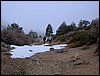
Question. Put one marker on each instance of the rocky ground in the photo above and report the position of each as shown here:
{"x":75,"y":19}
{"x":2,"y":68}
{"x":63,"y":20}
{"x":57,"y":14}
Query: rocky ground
{"x":68,"y":61}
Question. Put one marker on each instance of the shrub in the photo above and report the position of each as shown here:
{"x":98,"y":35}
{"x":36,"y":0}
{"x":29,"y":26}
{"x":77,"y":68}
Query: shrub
{"x":61,"y":38}
{"x":14,"y":38}
{"x":76,"y":44}
{"x":87,"y":37}
{"x":76,"y":37}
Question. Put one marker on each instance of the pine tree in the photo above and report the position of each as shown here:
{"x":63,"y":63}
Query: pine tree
{"x":49,"y":30}
{"x":83,"y":23}
{"x":62,"y":29}
{"x":33,"y":34}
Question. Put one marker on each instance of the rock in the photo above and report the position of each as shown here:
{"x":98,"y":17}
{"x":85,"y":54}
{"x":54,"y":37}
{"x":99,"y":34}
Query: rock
{"x":30,"y":50}
{"x":11,"y":48}
{"x":78,"y":63}
{"x":51,"y":49}
{"x":73,"y":59}
{"x":7,"y":53}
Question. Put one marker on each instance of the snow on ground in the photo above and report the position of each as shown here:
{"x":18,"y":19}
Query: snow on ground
{"x":27,"y":51}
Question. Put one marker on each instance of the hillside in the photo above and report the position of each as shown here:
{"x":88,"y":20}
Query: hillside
{"x":80,"y":57}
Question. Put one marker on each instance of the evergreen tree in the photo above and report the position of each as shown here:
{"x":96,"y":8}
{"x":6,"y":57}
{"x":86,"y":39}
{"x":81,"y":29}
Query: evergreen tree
{"x":62,"y":29}
{"x":33,"y":34}
{"x":15,"y":28}
{"x":72,"y":26}
{"x":83,"y":23}
{"x":49,"y":30}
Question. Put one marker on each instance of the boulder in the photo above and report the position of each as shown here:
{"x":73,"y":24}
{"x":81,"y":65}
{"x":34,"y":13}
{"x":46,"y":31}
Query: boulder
{"x":51,"y":49}
{"x":30,"y":50}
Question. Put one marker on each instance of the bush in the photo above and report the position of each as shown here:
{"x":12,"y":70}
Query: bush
{"x":76,"y":37}
{"x":87,"y":37}
{"x":14,"y":38}
{"x":76,"y":44}
{"x":61,"y":38}
{"x":84,"y":36}
{"x":4,"y":47}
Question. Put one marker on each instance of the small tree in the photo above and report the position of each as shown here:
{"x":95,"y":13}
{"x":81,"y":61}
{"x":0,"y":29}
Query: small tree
{"x":62,"y":29}
{"x":33,"y":34}
{"x":15,"y":28}
{"x":73,"y":25}
{"x":49,"y":30}
{"x":83,"y":23}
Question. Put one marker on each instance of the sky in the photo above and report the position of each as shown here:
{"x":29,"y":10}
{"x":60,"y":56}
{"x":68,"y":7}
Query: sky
{"x":36,"y":15}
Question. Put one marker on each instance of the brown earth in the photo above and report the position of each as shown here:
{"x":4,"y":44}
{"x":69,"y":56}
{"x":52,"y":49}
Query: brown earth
{"x":69,"y":61}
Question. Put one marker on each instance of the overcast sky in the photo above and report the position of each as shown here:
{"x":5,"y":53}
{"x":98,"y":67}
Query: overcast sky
{"x":36,"y":15}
